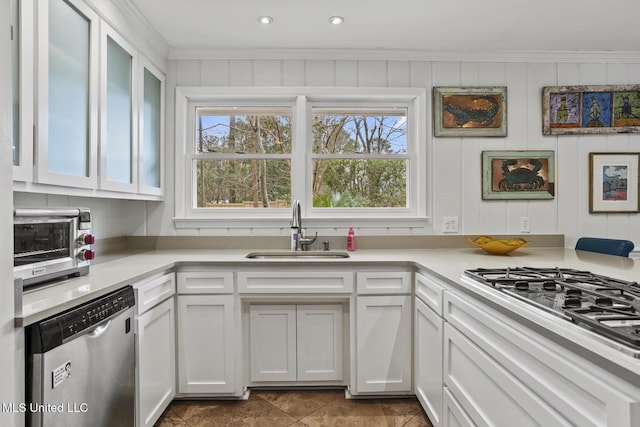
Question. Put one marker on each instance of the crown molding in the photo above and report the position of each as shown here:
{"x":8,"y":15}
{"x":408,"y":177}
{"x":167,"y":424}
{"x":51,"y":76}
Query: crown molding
{"x":147,"y":39}
{"x":409,"y":55}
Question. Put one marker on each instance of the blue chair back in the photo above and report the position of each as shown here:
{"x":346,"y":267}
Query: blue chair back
{"x":605,"y":246}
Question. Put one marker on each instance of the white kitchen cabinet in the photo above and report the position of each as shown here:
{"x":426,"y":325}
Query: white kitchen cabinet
{"x":503,"y":374}
{"x":428,"y":361}
{"x":205,"y":282}
{"x":296,"y":281}
{"x":383,"y":345}
{"x":22,"y":47}
{"x":67,"y":99}
{"x":272,"y":342}
{"x":386,"y":282}
{"x":151,"y":129}
{"x":118,"y":111}
{"x":208,"y":343}
{"x":452,"y":413}
{"x":428,"y":341}
{"x":296,"y":342}
{"x":155,"y":347}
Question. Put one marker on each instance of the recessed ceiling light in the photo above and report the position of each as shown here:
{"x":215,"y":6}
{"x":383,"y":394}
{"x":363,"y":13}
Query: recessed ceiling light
{"x":336,"y":20}
{"x":265,"y":19}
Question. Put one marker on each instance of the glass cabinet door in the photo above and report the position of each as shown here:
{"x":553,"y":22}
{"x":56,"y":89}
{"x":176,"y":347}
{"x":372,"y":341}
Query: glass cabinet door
{"x":118,"y":154}
{"x":151,"y":130}
{"x":22,"y":48}
{"x":15,"y":80}
{"x":67,"y":92}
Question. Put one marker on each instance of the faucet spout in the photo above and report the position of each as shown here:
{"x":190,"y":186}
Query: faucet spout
{"x":296,"y":224}
{"x":296,"y":218}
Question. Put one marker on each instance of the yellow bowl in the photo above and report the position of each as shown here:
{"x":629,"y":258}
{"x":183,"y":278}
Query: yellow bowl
{"x":497,"y":246}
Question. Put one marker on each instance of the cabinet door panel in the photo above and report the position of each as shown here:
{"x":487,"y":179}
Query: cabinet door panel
{"x":118,"y":130}
{"x":272,"y":338}
{"x":206,"y":347}
{"x":155,"y":365}
{"x":68,"y":94}
{"x":151,"y":129}
{"x":453,"y":414}
{"x":319,"y":342}
{"x":428,"y":360}
{"x":487,"y":392}
{"x":383,"y":330}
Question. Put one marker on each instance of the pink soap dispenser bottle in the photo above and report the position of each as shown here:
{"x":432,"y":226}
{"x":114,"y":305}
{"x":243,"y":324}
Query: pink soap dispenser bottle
{"x":351,"y":240}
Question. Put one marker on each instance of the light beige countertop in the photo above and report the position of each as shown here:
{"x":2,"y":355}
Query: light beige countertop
{"x":121,"y":270}
{"x":449,"y":264}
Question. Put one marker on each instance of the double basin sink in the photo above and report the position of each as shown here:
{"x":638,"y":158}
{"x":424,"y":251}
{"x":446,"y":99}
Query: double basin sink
{"x":298,"y":255}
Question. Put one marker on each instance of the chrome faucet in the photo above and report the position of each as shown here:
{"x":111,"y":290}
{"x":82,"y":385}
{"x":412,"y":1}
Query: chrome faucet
{"x":296,"y":222}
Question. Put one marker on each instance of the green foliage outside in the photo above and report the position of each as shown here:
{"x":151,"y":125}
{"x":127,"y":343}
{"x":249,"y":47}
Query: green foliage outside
{"x":355,"y":181}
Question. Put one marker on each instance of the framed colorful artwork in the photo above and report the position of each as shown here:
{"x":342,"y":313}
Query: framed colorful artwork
{"x":510,"y":175}
{"x":591,"y":109}
{"x":470,"y":111}
{"x":614,"y":182}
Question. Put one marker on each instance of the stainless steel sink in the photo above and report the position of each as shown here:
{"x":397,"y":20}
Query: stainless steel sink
{"x":298,"y":255}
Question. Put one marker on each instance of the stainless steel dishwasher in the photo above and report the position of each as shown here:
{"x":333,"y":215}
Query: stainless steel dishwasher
{"x":81,"y":365}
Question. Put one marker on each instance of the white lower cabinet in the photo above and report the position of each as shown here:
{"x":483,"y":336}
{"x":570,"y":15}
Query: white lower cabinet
{"x":504,"y":374}
{"x":452,"y":413}
{"x":428,"y":336}
{"x":208,"y":342}
{"x":155,"y":348}
{"x":156,"y":362}
{"x":429,"y":328}
{"x":295,"y":343}
{"x":383,"y":345}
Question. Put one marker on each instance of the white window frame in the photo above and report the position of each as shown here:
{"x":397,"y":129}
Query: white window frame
{"x":301,"y":100}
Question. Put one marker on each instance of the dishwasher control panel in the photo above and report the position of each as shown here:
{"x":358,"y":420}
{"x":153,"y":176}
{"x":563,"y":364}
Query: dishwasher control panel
{"x":54,"y":331}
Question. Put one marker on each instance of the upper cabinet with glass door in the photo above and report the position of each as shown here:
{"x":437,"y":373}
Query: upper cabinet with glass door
{"x":151,"y":129}
{"x":118,"y":128}
{"x":99,"y":105}
{"x":67,"y":97}
{"x":22,"y":88}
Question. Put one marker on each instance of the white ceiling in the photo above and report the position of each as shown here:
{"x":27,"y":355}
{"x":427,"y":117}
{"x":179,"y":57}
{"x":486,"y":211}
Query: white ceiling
{"x":406,"y":25}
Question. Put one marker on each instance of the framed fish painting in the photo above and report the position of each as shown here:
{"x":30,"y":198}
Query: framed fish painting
{"x":574,"y":110}
{"x":470,"y":111}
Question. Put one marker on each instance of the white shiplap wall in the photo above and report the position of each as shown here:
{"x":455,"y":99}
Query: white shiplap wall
{"x":454,"y":184}
{"x":454,"y":177}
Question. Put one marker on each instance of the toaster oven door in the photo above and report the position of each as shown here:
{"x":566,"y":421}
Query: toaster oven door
{"x":43,"y":248}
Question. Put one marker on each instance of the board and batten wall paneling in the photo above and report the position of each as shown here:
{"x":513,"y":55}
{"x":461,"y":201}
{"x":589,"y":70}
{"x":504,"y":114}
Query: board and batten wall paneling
{"x":455,"y":163}
{"x":455,"y":175}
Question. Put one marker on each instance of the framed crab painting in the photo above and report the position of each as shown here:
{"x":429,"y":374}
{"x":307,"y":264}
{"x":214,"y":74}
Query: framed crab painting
{"x":470,"y":111}
{"x":518,"y":175}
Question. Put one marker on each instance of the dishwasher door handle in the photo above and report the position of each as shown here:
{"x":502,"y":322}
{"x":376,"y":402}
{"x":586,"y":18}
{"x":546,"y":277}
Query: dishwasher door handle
{"x":99,"y":330}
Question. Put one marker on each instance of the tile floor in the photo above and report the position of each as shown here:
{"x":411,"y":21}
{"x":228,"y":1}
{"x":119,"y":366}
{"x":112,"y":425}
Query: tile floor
{"x":296,"y":408}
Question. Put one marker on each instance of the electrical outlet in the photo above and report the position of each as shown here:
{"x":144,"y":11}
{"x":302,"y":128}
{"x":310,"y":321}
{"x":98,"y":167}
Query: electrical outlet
{"x":525,"y":224}
{"x":449,"y":224}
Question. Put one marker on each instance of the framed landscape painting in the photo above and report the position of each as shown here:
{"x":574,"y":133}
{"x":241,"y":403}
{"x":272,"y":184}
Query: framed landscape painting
{"x":518,"y":175}
{"x":591,"y":109}
{"x":614,"y":182}
{"x":470,"y":111}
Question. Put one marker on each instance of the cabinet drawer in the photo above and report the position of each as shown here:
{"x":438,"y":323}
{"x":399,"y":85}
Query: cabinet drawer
{"x":383,"y":282}
{"x":430,"y":292}
{"x":301,"y":282}
{"x":153,"y":291}
{"x":205,"y":282}
{"x":524,"y":371}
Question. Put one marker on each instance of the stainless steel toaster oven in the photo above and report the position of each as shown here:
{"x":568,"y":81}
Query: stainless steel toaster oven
{"x":50,"y":243}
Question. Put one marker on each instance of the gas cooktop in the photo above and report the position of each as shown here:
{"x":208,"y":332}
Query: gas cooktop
{"x":607,"y":306}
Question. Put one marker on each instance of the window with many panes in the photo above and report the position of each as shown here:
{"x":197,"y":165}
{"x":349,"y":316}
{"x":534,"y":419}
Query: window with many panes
{"x":360,"y":156}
